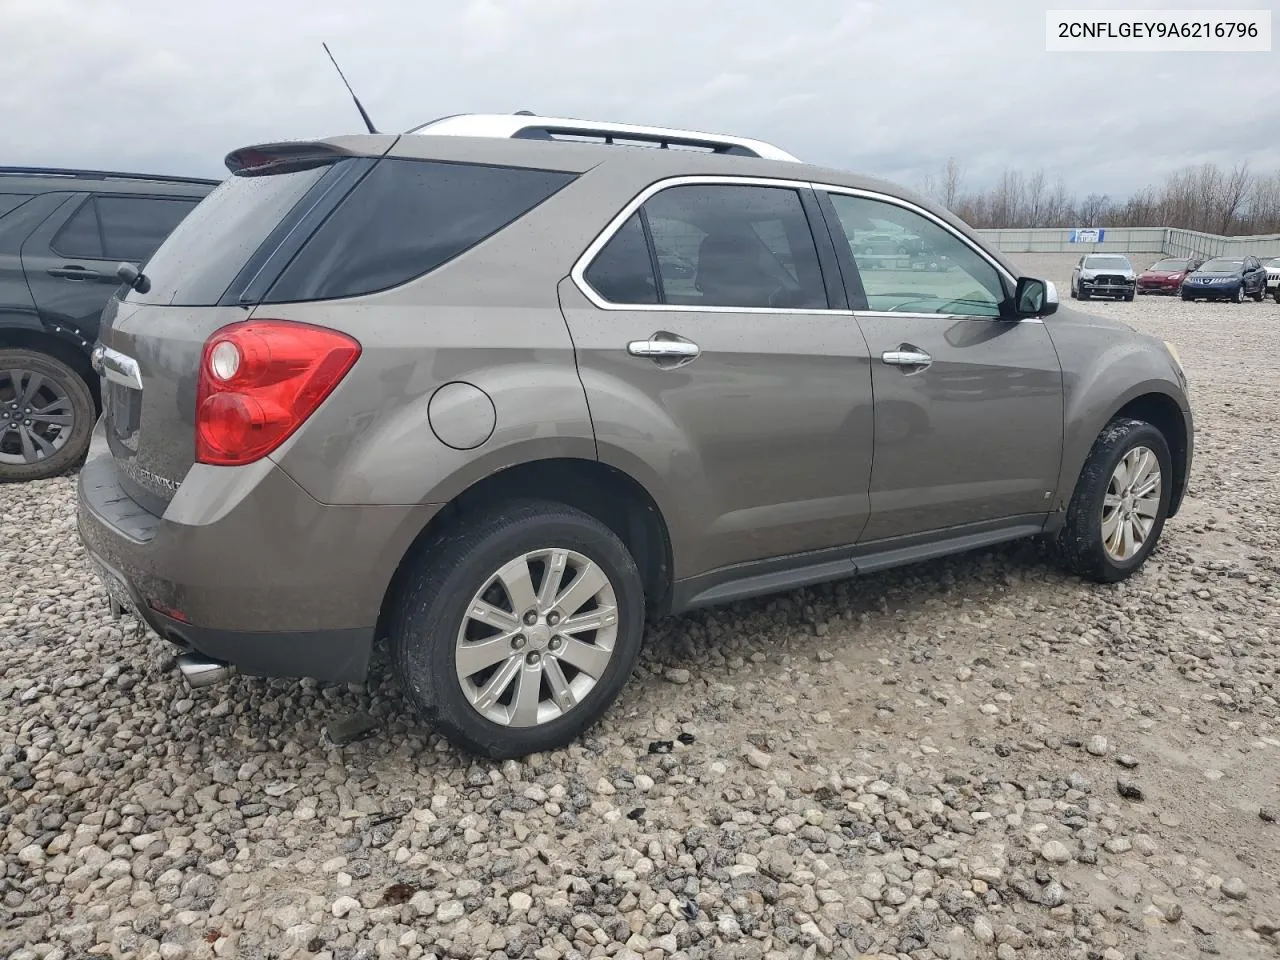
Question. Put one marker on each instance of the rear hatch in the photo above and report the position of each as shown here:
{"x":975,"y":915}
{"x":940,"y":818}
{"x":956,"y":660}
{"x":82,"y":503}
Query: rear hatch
{"x":210,"y":272}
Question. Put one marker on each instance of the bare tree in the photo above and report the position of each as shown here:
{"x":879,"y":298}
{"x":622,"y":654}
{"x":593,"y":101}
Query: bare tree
{"x":1204,"y":198}
{"x":951,"y":177}
{"x":1094,"y":208}
{"x":1232,"y":192}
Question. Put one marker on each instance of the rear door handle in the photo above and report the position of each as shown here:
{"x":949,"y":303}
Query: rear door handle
{"x":906,"y":357}
{"x":75,"y":273}
{"x":667,"y":350}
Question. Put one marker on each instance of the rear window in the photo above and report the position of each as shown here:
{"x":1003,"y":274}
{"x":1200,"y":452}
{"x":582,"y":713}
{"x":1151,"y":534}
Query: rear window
{"x":406,"y":218}
{"x":206,"y":251}
{"x":11,"y":201}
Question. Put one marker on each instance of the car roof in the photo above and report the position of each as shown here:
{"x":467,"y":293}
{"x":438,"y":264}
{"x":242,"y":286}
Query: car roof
{"x":34,"y":180}
{"x":643,"y":164}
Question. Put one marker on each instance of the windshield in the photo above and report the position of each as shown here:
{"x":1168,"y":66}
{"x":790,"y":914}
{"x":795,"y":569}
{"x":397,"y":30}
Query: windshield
{"x":1107,"y":263}
{"x":1221,"y":266}
{"x":1274,"y":264}
{"x":1169,"y":265}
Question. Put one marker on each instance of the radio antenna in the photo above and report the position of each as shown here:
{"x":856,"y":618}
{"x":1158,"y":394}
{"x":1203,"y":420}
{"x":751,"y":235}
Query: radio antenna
{"x":365,"y":116}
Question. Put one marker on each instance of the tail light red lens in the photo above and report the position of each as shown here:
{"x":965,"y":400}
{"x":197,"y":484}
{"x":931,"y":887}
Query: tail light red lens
{"x":259,"y":381}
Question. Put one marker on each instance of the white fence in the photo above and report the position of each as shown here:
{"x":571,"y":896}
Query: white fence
{"x":1166,"y":240}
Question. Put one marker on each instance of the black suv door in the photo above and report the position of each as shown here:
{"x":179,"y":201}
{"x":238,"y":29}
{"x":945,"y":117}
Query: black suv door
{"x":71,"y":259}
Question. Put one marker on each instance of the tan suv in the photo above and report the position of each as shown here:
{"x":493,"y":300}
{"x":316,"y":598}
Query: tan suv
{"x":497,"y":388}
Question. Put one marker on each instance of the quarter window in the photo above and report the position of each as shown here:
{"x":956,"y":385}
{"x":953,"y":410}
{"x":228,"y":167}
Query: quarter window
{"x":714,"y":245}
{"x":405,"y":219}
{"x":80,"y":237}
{"x":910,"y":264}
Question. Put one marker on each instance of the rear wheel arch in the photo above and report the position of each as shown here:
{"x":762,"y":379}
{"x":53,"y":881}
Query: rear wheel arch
{"x":609,"y":495}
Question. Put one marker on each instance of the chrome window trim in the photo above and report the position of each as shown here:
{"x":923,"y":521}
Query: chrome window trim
{"x":902,"y":314}
{"x":578,"y":272}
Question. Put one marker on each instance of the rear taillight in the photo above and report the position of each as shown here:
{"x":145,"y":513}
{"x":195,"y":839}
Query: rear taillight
{"x":259,"y":381}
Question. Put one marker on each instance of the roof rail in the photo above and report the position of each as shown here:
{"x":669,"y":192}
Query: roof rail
{"x":526,"y":126}
{"x":72,"y":173}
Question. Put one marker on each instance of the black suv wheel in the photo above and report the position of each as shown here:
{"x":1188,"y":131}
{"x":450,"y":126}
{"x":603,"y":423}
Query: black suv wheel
{"x":46,"y":416}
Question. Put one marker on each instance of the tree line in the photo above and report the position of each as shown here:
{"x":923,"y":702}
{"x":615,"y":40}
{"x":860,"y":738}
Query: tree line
{"x":1235,"y":202}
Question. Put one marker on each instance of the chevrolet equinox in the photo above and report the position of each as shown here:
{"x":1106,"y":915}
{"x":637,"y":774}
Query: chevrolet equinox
{"x":502,"y":387}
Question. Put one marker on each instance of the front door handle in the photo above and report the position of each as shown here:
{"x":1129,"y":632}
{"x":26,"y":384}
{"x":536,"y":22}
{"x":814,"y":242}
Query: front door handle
{"x":75,"y":273}
{"x":906,"y":356}
{"x":667,"y":350}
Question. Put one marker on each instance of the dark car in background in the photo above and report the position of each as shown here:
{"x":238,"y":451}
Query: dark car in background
{"x":1103,"y":275}
{"x":63,"y":233}
{"x":1166,"y":276}
{"x":1226,"y":278}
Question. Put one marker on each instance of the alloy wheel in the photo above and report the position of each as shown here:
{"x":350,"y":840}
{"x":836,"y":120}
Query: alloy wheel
{"x":1131,"y":504}
{"x":537,"y":637}
{"x":36,"y":416}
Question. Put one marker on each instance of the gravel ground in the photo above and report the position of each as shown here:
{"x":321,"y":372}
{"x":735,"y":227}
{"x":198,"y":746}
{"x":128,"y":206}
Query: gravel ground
{"x":977,"y":757}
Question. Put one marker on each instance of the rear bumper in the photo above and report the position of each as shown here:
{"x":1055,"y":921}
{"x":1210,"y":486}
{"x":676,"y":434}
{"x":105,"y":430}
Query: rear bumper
{"x":272,"y":582}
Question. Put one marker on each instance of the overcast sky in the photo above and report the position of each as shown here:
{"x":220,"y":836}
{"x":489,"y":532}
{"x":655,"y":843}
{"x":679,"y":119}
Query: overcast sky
{"x":883,"y":87}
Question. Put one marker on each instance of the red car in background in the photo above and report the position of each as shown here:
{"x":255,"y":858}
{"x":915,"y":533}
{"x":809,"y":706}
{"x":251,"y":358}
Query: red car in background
{"x":1165,"y":276}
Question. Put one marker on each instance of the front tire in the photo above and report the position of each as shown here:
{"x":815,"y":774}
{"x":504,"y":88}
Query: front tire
{"x":1120,"y":502}
{"x":46,"y":416}
{"x":1239,"y":297}
{"x":514,"y":633}
{"x":1261,"y":294}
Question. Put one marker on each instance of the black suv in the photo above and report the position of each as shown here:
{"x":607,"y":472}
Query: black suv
{"x":63,"y":233}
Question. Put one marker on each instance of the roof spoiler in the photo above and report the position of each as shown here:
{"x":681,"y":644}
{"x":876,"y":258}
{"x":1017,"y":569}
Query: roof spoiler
{"x":265,"y":159}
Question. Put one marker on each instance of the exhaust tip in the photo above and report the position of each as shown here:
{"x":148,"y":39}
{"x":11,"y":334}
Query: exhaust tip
{"x":199,"y":671}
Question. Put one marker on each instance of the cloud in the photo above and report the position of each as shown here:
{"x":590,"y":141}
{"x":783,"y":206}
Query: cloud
{"x":885,"y":88}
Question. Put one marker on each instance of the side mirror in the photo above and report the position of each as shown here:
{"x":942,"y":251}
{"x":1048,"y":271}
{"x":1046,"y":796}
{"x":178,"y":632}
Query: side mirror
{"x":1034,"y":298}
{"x":135,"y":278}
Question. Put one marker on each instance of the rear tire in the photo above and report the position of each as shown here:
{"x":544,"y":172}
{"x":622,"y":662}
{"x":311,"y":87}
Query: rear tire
{"x":1100,"y":506}
{"x":434,"y":622}
{"x":1261,"y":294}
{"x":54,"y":436}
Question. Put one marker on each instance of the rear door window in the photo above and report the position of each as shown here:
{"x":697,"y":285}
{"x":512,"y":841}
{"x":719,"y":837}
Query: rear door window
{"x":730,"y":245}
{"x":714,"y":245}
{"x":133,"y":227}
{"x":405,"y":219}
